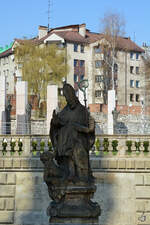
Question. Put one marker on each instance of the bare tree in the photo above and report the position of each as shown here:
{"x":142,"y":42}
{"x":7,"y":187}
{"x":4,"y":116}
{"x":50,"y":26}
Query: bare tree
{"x":146,"y":72}
{"x":113,"y":26}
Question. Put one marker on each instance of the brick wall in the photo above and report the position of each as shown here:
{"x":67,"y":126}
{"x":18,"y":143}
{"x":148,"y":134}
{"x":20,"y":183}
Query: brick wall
{"x":123,"y":109}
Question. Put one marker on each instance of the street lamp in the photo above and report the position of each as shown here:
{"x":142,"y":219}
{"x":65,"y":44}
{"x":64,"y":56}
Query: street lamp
{"x":83,"y":85}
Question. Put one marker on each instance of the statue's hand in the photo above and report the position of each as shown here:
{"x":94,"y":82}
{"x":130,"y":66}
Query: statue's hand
{"x":80,"y":128}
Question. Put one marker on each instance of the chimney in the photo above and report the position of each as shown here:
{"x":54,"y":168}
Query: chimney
{"x":42,"y":31}
{"x":82,"y":29}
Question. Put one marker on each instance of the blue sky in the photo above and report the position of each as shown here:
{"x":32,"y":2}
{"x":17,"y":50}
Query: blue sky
{"x":20,"y":18}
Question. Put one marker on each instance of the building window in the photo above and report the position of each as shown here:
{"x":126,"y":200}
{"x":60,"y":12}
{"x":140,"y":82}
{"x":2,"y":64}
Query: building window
{"x":75,"y":62}
{"x":131,"y":69}
{"x":137,"y":56}
{"x":98,"y":93}
{"x":97,"y":50}
{"x":131,"y":55}
{"x":137,"y":83}
{"x":75,"y":78}
{"x":82,"y":48}
{"x":131,"y":97}
{"x":115,"y":68}
{"x":98,"y":78}
{"x":137,"y":70}
{"x":81,"y":63}
{"x":81,"y":77}
{"x":137,"y":97}
{"x":98,"y":63}
{"x":131,"y":83}
{"x":75,"y":47}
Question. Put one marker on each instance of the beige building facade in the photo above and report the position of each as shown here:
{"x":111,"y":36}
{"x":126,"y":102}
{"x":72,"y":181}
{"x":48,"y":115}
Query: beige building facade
{"x":84,"y":57}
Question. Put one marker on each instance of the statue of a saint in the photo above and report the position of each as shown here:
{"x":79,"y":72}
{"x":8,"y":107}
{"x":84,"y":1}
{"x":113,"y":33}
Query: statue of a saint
{"x":72,"y":134}
{"x":67,"y":171}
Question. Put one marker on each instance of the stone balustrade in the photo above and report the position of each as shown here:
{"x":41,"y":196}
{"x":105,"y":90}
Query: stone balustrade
{"x":122,"y":179}
{"x":138,"y":143}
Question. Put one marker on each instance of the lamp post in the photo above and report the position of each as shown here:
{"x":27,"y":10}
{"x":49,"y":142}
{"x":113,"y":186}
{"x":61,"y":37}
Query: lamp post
{"x":83,"y":85}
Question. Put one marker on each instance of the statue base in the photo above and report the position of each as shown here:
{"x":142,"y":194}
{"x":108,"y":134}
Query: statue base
{"x":75,"y":207}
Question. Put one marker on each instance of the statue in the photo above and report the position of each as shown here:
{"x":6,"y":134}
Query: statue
{"x":8,"y":115}
{"x":28,"y":118}
{"x":28,"y":111}
{"x":67,"y":170}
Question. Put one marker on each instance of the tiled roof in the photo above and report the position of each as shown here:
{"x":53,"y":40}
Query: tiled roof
{"x":71,"y":34}
{"x":123,"y":43}
{"x":21,"y":41}
{"x":93,"y":37}
{"x":127,"y":44}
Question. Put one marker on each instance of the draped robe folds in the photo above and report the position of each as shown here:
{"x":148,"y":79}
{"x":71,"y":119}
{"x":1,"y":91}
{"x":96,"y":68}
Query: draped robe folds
{"x":69,"y":136}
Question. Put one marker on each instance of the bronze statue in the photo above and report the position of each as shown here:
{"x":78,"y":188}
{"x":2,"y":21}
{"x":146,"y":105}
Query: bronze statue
{"x":67,"y":169}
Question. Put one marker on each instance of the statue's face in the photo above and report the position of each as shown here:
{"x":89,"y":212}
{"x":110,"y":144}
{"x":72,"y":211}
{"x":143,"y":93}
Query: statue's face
{"x":70,"y":100}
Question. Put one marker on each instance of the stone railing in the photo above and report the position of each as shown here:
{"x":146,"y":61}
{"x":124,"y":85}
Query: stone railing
{"x":31,"y":145}
{"x":122,"y":146}
{"x":122,"y":179}
{"x":105,"y":145}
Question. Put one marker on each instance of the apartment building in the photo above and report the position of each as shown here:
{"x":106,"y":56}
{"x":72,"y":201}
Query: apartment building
{"x":84,"y":57}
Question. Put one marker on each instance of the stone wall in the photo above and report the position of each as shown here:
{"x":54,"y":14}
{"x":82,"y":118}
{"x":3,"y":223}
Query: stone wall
{"x":125,"y":124}
{"x":123,"y":184}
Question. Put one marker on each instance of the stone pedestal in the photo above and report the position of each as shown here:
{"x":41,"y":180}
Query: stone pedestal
{"x":21,"y":102}
{"x":2,"y":105}
{"x":111,"y":107}
{"x":76,"y":207}
{"x":52,"y":102}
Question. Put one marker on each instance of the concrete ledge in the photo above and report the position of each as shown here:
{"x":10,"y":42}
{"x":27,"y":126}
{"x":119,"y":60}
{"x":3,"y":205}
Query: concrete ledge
{"x":97,"y":163}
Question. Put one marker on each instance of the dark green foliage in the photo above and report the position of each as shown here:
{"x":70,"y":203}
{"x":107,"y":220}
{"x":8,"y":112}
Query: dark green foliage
{"x":106,"y":144}
{"x":146,"y":145}
{"x":129,"y":145}
{"x":114,"y":145}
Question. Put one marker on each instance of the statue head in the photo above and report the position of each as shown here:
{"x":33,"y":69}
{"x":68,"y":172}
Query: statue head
{"x":70,"y":95}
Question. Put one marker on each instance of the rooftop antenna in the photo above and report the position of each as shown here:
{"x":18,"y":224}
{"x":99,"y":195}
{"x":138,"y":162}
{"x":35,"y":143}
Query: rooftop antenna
{"x":49,"y":11}
{"x":134,"y":37}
